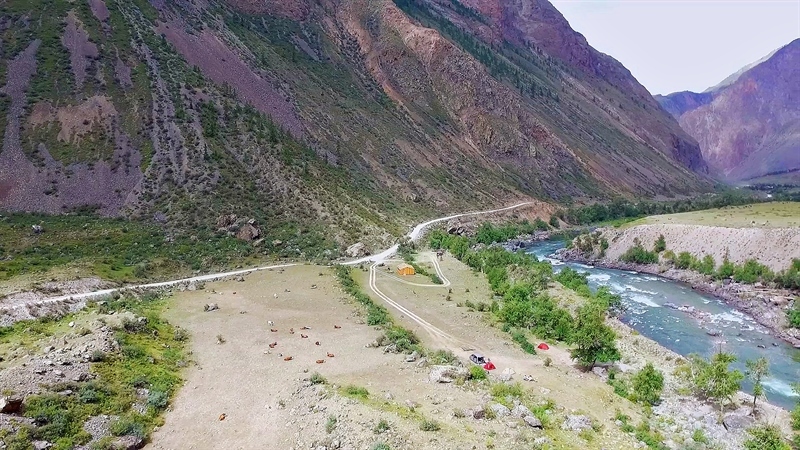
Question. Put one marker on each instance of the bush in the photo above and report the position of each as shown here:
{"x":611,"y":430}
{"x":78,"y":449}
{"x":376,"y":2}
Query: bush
{"x":726,"y":269}
{"x":527,"y":346}
{"x":429,"y":425}
{"x":403,"y":339}
{"x":128,"y":426}
{"x":638,"y":255}
{"x":766,"y":437}
{"x":317,"y":378}
{"x":381,"y":427}
{"x":157,"y":399}
{"x":502,"y":390}
{"x":699,"y":436}
{"x":381,"y":446}
{"x":684,"y":260}
{"x":477,"y":373}
{"x":97,"y":356}
{"x":796,"y":417}
{"x":554,"y":222}
{"x":752,"y":271}
{"x":330,"y":425}
{"x":661,"y":244}
{"x":648,"y":384}
{"x":440,"y":357}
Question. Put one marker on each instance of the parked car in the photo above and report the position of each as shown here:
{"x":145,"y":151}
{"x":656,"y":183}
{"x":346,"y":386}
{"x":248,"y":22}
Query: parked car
{"x":477,"y":358}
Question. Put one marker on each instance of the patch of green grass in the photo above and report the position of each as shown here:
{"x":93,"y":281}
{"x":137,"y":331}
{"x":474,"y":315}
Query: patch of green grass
{"x":477,"y":373}
{"x":356,"y":392}
{"x":149,"y":358}
{"x":501,"y":391}
{"x":429,"y":425}
{"x":382,"y":427}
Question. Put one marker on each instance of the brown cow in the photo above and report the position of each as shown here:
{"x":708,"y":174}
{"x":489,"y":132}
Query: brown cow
{"x":330,"y":355}
{"x":291,"y":330}
{"x":273,"y":345}
{"x":274,"y":330}
{"x":304,"y":336}
{"x":222,"y":416}
{"x":288,"y":358}
{"x":320,"y":361}
{"x":336,"y":327}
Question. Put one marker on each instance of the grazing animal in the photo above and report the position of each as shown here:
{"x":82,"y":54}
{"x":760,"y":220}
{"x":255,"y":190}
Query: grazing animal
{"x":271,"y":323}
{"x":274,"y":330}
{"x":291,"y":330}
{"x":330,"y":355}
{"x":336,"y":327}
{"x":303,"y":336}
{"x":305,"y":328}
{"x":288,"y":358}
{"x":273,"y":345}
{"x":222,"y":416}
{"x":316,"y":343}
{"x":320,"y":361}
{"x":274,"y":295}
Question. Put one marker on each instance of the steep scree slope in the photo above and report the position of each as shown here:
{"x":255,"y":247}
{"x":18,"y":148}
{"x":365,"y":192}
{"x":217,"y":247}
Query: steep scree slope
{"x":346,"y":117}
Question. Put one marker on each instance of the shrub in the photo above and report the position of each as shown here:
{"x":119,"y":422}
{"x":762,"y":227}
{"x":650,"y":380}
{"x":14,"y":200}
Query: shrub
{"x":180,"y":334}
{"x":381,"y":446}
{"x":661,"y":244}
{"x":527,"y":346}
{"x":752,"y":271}
{"x":548,"y":361}
{"x":402,"y":338}
{"x":157,"y":399}
{"x":429,"y":425}
{"x":502,"y":390}
{"x":648,"y":384}
{"x":796,"y":417}
{"x":726,"y":269}
{"x":330,"y":425}
{"x":381,"y":427}
{"x":554,"y":222}
{"x":97,"y":356}
{"x":477,"y":373}
{"x":684,"y":260}
{"x":442,"y":357}
{"x":766,"y":437}
{"x":128,"y":426}
{"x":317,"y":378}
{"x":638,"y":255}
{"x":699,"y":436}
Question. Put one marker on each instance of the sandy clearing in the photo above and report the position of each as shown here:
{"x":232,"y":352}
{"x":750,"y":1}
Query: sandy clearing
{"x":774,"y":247}
{"x":237,"y":378}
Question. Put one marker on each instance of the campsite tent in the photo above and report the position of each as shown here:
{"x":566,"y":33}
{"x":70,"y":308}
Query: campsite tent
{"x":543,"y":346}
{"x":405,"y":269}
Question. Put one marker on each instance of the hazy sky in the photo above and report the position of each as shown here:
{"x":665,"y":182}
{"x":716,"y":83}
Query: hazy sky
{"x":677,"y":45}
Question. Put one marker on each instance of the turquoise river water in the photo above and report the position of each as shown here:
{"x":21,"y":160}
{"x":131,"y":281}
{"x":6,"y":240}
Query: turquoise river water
{"x":650,"y":308}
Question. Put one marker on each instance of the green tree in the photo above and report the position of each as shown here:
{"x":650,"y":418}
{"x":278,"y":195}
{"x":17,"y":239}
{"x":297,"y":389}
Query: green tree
{"x":595,"y":341}
{"x":727,"y":269}
{"x":661,"y":244}
{"x":756,"y":371}
{"x":766,"y":437}
{"x":648,"y":384}
{"x":554,"y":222}
{"x":684,"y":260}
{"x":714,"y":379}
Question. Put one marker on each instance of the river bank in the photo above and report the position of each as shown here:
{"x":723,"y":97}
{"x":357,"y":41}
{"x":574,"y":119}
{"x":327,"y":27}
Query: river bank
{"x":765,"y":305}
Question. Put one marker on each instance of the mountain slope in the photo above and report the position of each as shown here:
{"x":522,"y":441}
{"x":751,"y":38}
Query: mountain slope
{"x":327,"y":119}
{"x":749,"y":127}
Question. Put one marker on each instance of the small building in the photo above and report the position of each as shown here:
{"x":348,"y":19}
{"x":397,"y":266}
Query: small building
{"x":405,"y":269}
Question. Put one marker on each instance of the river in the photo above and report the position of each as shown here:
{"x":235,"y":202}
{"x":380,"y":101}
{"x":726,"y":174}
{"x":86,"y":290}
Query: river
{"x":645,"y":296}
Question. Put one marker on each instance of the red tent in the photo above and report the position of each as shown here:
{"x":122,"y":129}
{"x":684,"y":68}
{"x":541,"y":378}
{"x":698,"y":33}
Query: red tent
{"x":543,"y":346}
{"x":489,"y":366}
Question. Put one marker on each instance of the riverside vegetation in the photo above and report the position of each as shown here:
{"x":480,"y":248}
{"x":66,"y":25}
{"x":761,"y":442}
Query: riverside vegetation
{"x":519,"y":281}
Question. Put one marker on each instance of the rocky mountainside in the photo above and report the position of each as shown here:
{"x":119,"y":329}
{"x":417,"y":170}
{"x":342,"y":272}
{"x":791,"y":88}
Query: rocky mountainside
{"x":749,"y":125}
{"x":325,"y":119}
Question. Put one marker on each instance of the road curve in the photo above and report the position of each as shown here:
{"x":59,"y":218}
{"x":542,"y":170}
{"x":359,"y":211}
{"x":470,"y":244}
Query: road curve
{"x":416,"y":233}
{"x":413,"y":235}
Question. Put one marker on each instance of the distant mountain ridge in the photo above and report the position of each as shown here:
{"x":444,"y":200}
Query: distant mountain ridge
{"x":748,"y":126}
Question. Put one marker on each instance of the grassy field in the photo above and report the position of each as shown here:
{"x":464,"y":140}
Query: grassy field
{"x":760,"y":215}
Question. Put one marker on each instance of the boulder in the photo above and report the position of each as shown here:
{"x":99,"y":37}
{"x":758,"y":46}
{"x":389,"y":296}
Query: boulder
{"x":475,"y":413}
{"x":127,"y":443}
{"x":226,"y":220}
{"x":577,"y":423}
{"x":41,"y":445}
{"x":532,"y":421}
{"x":210,"y":307}
{"x":542,"y":442}
{"x":600,"y":372}
{"x":248,"y":233}
{"x":507,"y":375}
{"x":357,"y":250}
{"x":413,"y":356}
{"x":734,"y":421}
{"x":521,"y":411}
{"x":447,"y":374}
{"x":10,"y":404}
{"x":500,"y":410}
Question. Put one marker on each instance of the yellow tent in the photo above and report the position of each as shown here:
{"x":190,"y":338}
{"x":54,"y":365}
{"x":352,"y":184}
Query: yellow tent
{"x":405,"y":269}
